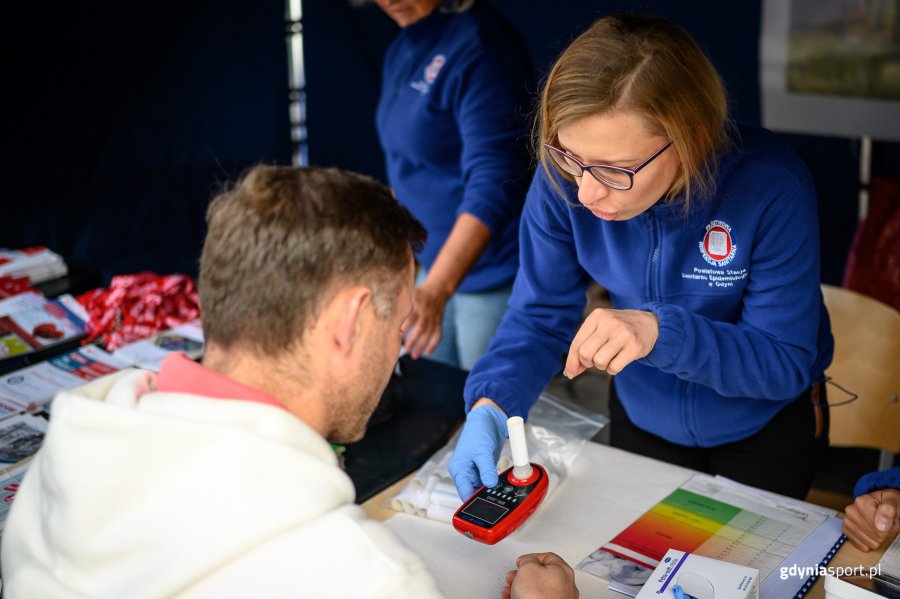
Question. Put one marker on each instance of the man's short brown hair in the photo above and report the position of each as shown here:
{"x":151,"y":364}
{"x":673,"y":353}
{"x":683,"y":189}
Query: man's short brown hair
{"x":279,"y":241}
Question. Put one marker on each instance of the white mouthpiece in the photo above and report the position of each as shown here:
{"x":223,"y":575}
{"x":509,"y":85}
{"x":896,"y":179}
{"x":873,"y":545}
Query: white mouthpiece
{"x":521,"y":463}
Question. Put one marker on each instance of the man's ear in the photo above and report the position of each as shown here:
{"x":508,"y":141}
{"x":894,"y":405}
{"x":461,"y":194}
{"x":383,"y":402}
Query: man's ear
{"x":345,"y":313}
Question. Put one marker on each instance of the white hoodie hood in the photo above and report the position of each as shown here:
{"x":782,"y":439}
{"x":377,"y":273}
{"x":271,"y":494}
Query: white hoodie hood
{"x":138,"y":493}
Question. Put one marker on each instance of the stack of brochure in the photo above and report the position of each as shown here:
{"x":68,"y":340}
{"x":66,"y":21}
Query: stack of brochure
{"x":38,"y":264}
{"x":29,"y":323}
{"x":10,"y":479}
{"x":149,"y":353}
{"x":20,"y":437}
{"x":32,"y":388}
{"x":10,"y":286}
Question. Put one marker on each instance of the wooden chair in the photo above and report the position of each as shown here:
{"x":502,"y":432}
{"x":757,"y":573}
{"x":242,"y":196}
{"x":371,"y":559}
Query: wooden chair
{"x":867,"y":363}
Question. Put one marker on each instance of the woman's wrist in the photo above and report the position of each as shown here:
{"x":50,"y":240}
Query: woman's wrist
{"x":486,"y":401}
{"x":438,"y":289}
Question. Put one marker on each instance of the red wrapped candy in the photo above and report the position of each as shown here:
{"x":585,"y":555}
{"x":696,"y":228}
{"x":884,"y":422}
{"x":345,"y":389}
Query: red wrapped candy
{"x":137,"y":306}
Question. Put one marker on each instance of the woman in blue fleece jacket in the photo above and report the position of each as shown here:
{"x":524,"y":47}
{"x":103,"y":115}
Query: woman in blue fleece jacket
{"x":451,"y":119}
{"x":705,"y":236}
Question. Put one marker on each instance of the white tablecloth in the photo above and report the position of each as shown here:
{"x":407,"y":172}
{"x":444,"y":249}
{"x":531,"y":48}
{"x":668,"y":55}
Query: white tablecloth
{"x":605,"y":491}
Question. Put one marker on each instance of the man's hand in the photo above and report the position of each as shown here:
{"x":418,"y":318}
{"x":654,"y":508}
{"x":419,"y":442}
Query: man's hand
{"x":611,"y":339}
{"x":873,"y":519}
{"x":424,"y":322}
{"x":542,"y":576}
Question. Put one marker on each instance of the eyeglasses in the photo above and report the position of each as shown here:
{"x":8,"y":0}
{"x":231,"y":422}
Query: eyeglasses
{"x":614,"y":177}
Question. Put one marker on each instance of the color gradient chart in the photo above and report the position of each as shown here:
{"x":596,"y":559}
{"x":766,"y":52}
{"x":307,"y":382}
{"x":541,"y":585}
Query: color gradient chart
{"x":699,"y":524}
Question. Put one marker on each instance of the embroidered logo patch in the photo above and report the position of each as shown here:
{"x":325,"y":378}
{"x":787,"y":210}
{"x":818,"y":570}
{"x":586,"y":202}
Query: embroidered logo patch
{"x":717,"y":247}
{"x":434,"y":67}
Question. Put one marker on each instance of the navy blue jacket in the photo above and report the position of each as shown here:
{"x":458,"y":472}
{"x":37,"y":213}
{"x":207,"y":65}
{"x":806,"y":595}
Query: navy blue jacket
{"x":452,"y":121}
{"x":735,"y":285}
{"x":873,"y":481}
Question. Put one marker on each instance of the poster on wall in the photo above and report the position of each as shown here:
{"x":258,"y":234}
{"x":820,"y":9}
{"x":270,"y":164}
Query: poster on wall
{"x":831,"y":67}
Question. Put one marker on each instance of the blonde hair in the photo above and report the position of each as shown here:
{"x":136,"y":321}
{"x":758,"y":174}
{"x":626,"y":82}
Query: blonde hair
{"x":654,"y":68}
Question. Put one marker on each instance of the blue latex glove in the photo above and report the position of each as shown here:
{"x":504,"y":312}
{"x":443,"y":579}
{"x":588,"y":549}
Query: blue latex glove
{"x":474,"y":463}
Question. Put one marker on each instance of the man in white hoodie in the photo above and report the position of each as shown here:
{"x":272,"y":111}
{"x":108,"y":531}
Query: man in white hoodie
{"x":218,"y":480}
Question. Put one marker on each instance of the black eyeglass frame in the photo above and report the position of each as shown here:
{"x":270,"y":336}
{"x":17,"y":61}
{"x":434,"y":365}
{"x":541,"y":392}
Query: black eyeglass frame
{"x":631,"y":172}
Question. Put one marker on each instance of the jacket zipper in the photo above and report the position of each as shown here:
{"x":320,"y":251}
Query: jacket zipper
{"x":653,"y":294}
{"x":653,"y":266}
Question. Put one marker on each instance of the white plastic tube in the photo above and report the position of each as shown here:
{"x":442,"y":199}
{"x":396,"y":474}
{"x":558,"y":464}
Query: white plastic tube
{"x":440,"y":513}
{"x":448,"y":500}
{"x":446,"y":486}
{"x":518,"y":448}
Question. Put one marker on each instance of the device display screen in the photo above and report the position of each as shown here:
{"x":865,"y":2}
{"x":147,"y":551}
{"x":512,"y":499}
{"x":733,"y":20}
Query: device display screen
{"x":485,"y":510}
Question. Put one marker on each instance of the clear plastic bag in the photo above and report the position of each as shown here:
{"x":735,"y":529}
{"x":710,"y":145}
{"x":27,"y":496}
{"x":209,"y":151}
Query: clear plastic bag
{"x":555,"y":432}
{"x":558,"y":429}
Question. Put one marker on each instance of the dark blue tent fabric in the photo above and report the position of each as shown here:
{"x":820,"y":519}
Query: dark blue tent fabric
{"x":121,"y":120}
{"x":127,"y":117}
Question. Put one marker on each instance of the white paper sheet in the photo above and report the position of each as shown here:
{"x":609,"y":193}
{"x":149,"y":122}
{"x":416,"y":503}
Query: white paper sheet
{"x":890,"y":561}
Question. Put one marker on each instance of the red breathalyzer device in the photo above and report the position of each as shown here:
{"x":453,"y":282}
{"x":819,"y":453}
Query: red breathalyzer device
{"x":493,"y":513}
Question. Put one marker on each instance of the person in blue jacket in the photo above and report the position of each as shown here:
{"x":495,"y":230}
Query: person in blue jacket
{"x":873,"y":518}
{"x":452,"y":122}
{"x":706,"y":237}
